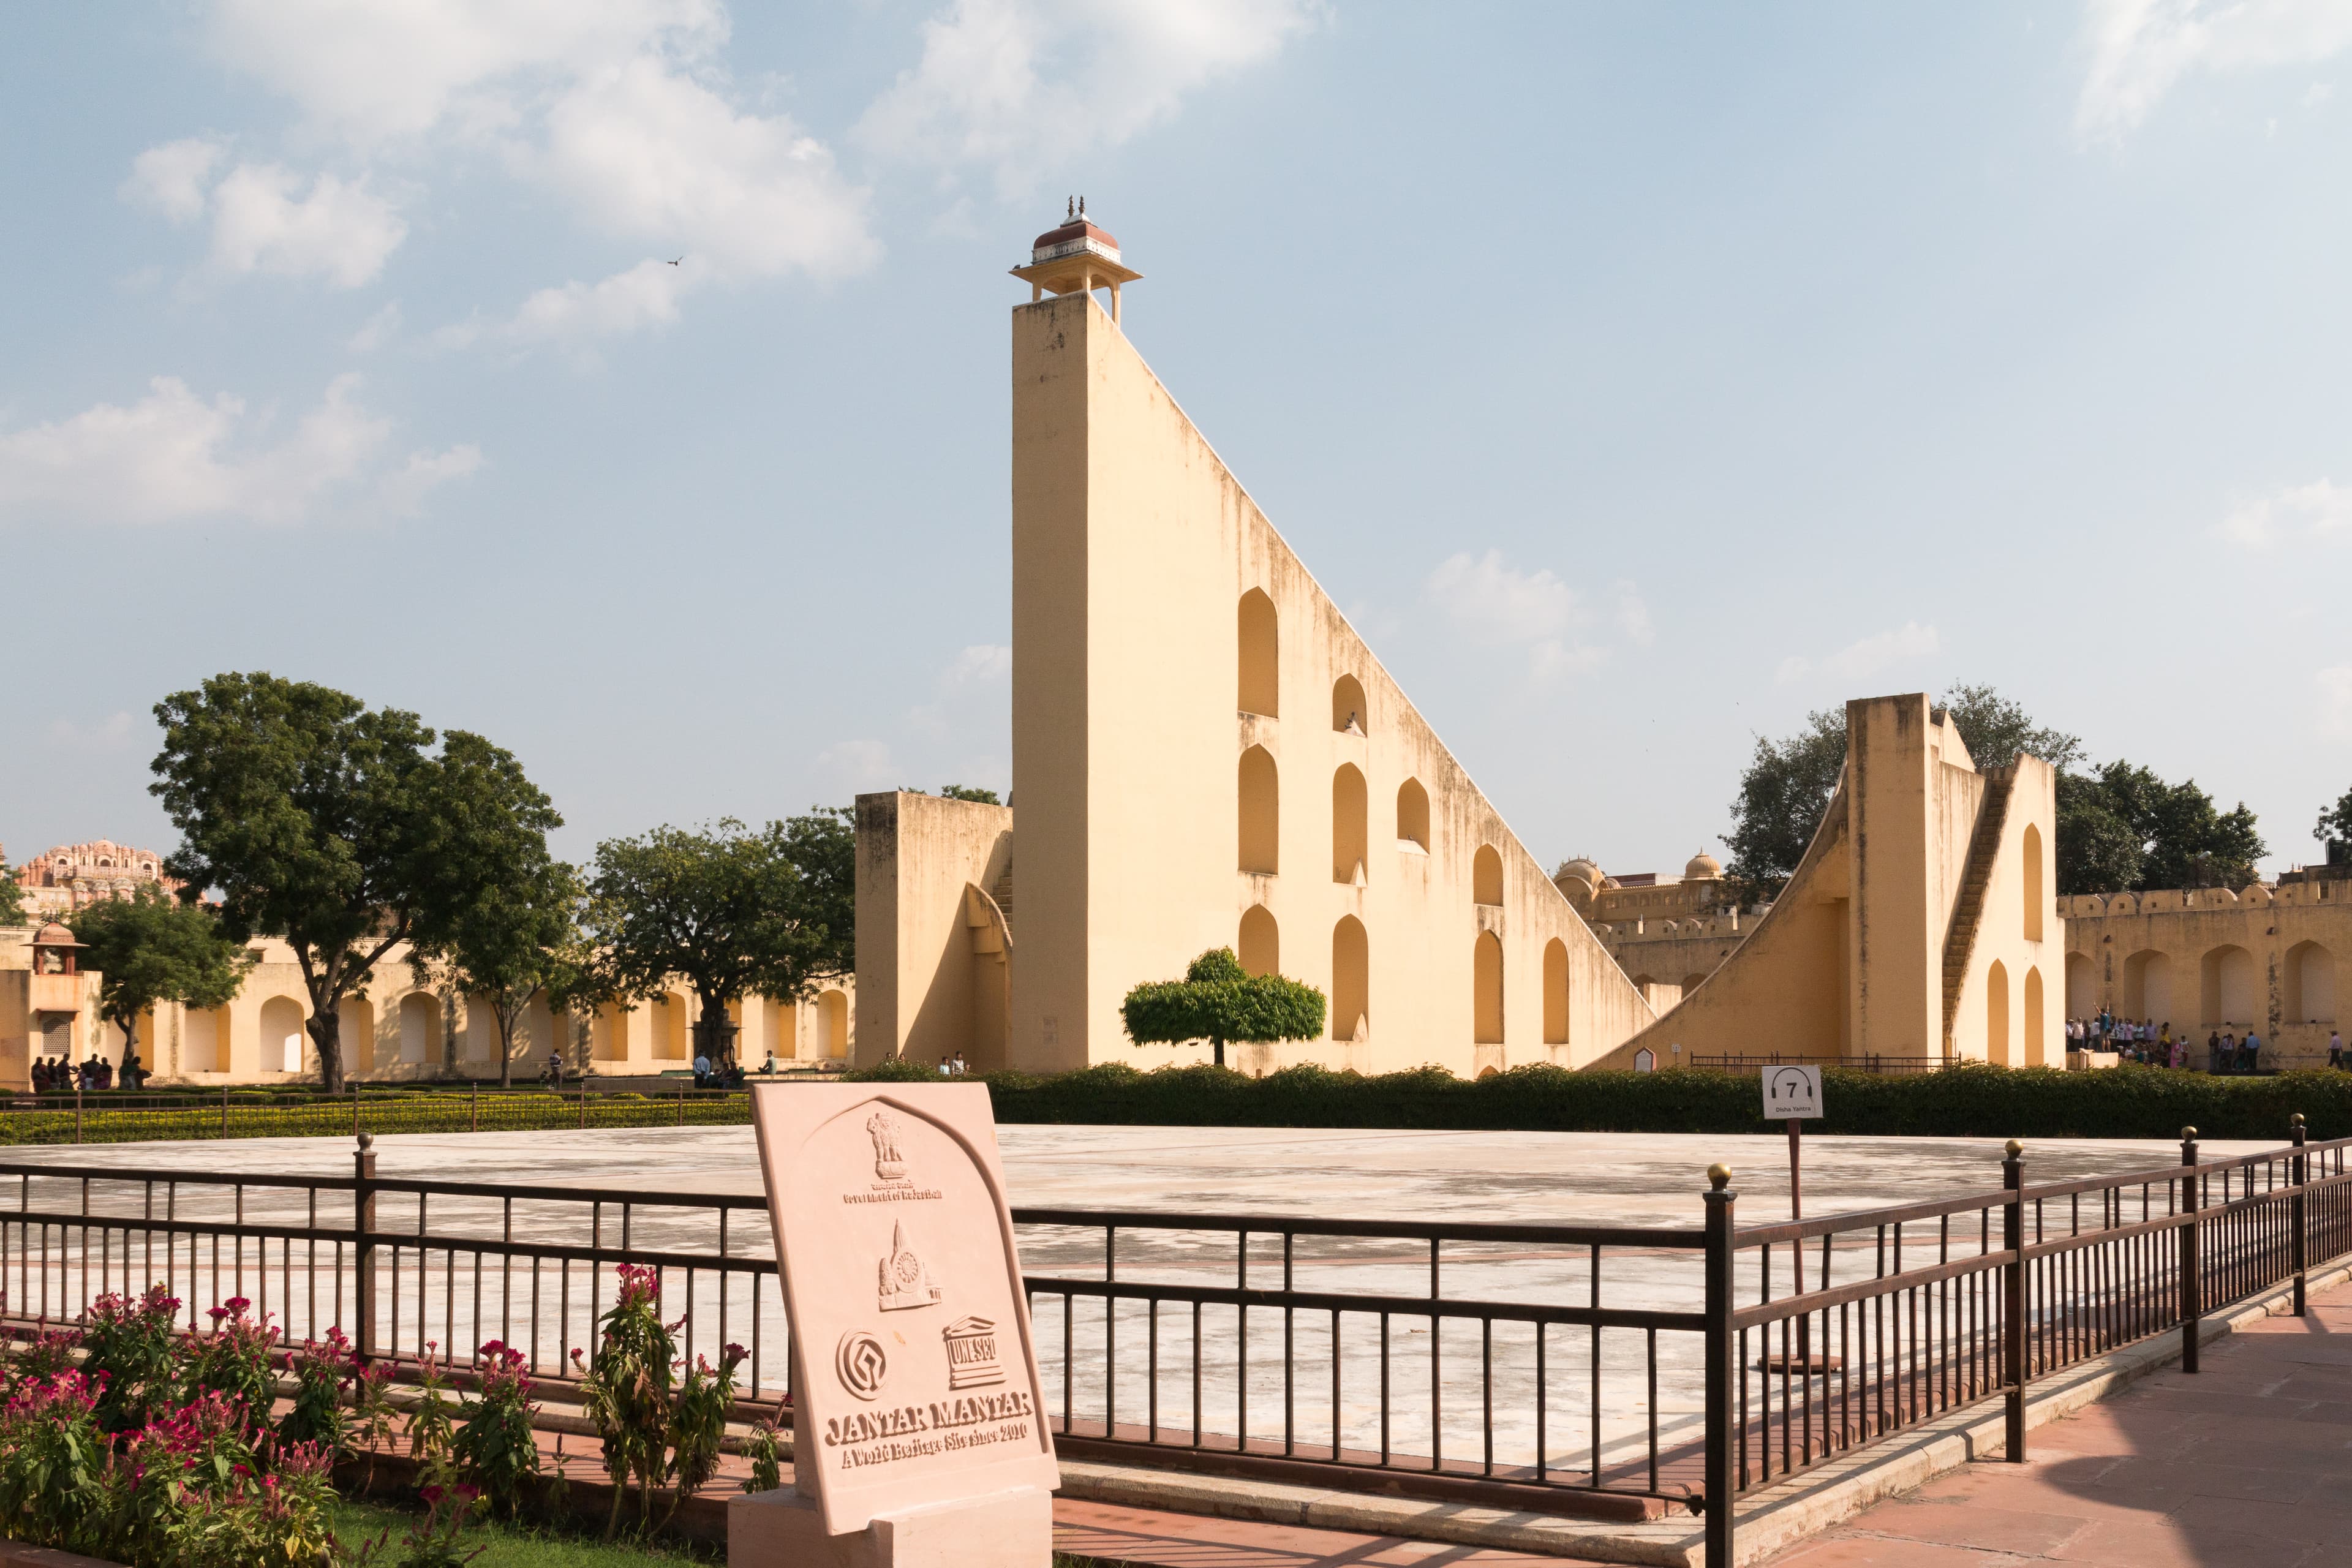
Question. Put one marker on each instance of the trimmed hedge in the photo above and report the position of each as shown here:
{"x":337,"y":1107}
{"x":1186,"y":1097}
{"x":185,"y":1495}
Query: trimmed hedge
{"x":318,"y":1118}
{"x":1961,"y":1101}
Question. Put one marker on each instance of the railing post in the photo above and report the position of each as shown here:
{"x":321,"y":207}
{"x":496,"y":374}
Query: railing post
{"x":474,"y":1105}
{"x":363,"y":1248}
{"x":2012,"y":1298}
{"x":2300,"y":1248}
{"x":2192,"y":1296}
{"x":76,"y":1109}
{"x":224,"y":1110}
{"x":1720,"y":1370}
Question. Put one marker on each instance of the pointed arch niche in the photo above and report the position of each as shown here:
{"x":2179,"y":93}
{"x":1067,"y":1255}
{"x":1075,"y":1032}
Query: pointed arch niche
{"x":1350,"y":981}
{"x":1349,"y":810}
{"x":2032,"y":880}
{"x":1260,"y":948}
{"x":1486,"y":983}
{"x":1261,"y":663}
{"x":1350,"y":715}
{"x":1412,"y":816}
{"x":1260,"y":789}
{"x":1486,"y":876}
{"x":1555,"y":993}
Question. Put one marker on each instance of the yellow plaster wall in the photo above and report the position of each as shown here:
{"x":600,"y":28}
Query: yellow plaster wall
{"x":921,"y":963}
{"x":1133,"y":548}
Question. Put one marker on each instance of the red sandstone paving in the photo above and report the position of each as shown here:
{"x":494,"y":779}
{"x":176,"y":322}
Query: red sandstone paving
{"x":2246,"y":1465}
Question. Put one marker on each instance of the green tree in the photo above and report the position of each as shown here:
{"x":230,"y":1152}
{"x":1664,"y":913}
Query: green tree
{"x":516,"y":941}
{"x":1997,"y":730}
{"x":732,"y":911}
{"x":12,"y":899}
{"x":1218,"y":1001}
{"x":971,"y":793}
{"x":333,"y":826}
{"x":152,"y":948}
{"x":1782,"y":797}
{"x":2335,"y":831}
{"x":2122,"y":828}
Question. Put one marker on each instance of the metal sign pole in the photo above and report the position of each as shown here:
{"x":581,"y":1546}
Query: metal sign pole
{"x":1796,"y":1182}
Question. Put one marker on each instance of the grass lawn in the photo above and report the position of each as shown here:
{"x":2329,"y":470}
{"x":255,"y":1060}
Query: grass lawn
{"x":537,"y":1546}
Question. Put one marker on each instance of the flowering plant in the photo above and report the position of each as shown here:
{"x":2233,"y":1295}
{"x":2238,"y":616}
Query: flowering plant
{"x":698,"y":1423}
{"x":321,"y":1373}
{"x":236,"y":1359}
{"x":495,"y":1449}
{"x":129,"y":1340}
{"x":625,"y":1390}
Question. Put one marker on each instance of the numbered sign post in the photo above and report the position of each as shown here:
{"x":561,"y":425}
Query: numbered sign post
{"x":1793,"y":1095}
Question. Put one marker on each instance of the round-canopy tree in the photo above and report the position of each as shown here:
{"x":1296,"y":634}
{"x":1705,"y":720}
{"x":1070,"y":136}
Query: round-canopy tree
{"x":732,"y":912}
{"x":335,"y":828}
{"x":1218,"y":1001}
{"x":152,"y":948}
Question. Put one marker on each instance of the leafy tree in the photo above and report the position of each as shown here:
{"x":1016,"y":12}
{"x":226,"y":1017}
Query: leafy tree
{"x":1997,"y":729}
{"x":1782,"y":797}
{"x":2123,"y":829}
{"x":12,"y":899}
{"x":971,"y":792}
{"x":333,"y":826}
{"x":2335,"y":831}
{"x":515,"y":941}
{"x":1218,"y":1001}
{"x":152,"y":948}
{"x":732,"y":912}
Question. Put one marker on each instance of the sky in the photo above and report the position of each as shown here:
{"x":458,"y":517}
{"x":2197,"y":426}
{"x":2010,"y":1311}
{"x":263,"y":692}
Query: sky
{"x":1638,"y":377}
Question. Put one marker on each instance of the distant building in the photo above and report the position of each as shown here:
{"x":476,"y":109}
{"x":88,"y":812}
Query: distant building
{"x":69,"y":877}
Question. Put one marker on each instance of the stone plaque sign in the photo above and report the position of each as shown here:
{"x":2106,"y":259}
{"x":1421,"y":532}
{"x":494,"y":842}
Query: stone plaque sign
{"x":913,"y":1377}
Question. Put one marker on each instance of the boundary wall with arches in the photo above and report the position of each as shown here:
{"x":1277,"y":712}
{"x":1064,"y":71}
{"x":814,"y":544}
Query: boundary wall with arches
{"x":2205,"y":959}
{"x":399,"y":1030}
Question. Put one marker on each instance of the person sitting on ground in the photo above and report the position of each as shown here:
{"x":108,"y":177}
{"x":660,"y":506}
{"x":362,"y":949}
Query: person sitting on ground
{"x":105,"y":1073}
{"x":767,"y":1067}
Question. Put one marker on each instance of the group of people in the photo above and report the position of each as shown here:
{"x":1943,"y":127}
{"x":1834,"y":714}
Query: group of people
{"x":727,"y":1074}
{"x":55,"y":1075}
{"x":953,"y":1067}
{"x":2151,"y":1044}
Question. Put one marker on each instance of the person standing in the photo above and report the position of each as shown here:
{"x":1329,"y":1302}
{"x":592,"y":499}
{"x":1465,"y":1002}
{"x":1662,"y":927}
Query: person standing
{"x":2213,"y":1051}
{"x":2249,"y":1057}
{"x":2335,"y":1050}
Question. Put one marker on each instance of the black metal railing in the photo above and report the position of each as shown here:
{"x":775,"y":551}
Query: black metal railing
{"x":1597,"y":1369}
{"x":1867,"y":1062}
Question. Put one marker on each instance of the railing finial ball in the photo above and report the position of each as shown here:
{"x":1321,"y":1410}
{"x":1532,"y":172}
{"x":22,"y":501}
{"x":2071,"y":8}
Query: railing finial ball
{"x":2012,"y":1148}
{"x":2189,"y":1135}
{"x":1718,"y":1176}
{"x":366,"y":1139}
{"x":2296,"y":1119}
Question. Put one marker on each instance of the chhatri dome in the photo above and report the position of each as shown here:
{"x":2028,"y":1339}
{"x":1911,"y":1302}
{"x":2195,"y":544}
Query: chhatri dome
{"x":1076,"y":258}
{"x":1583,"y":870}
{"x":1703,"y":867}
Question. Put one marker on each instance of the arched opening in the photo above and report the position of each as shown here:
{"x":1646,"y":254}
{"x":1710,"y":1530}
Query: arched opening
{"x":420,"y":1028}
{"x":1645,"y":1061}
{"x":608,"y":1034}
{"x":1261,"y":678}
{"x":1486,"y":983}
{"x":833,"y":1023}
{"x":1690,"y":982}
{"x":2035,"y":1045}
{"x":1261,"y":813}
{"x":1412,"y":816}
{"x":1555,"y":993}
{"x":2082,"y":985}
{"x":2226,"y":988}
{"x":667,"y":1016}
{"x":1260,"y":948}
{"x":1486,"y":876}
{"x":355,"y":1034}
{"x":2148,"y":986}
{"x":281,"y":1035}
{"x":1997,"y":1014}
{"x":1349,"y":714}
{"x":1352,"y":966}
{"x":202,"y":1030}
{"x":147,"y":1042}
{"x":2310,"y":984}
{"x":1349,"y":808}
{"x":2030,"y":852}
{"x":1484,"y":1073}
{"x":481,"y":1031}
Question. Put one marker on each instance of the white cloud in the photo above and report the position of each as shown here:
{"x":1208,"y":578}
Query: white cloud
{"x":2140,"y":49}
{"x":646,"y":295}
{"x":105,"y":734}
{"x":1861,"y":659}
{"x":174,"y":457}
{"x":175,"y":178}
{"x":2300,"y":511}
{"x":1023,"y":86}
{"x":337,"y":229}
{"x":979,"y":662}
{"x":1633,"y":615}
{"x":968,"y":686}
{"x":1500,"y":606}
{"x":264,"y":220}
{"x":859,"y":765}
{"x":2334,"y":685}
{"x":377,"y":330}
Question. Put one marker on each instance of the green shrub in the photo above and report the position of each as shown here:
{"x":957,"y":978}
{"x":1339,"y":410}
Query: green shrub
{"x":494,"y":1450}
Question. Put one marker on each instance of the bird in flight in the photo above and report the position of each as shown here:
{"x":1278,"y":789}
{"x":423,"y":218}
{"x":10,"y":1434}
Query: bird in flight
{"x":675,"y":263}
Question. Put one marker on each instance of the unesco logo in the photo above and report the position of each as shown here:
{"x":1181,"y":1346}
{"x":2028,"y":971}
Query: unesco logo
{"x":860,"y":1365}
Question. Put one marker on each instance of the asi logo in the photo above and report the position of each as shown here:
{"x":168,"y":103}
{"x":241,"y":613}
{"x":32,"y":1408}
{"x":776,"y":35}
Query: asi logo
{"x":859,"y":1361}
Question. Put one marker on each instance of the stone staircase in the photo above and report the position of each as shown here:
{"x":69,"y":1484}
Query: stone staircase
{"x":1967,"y":911}
{"x":1002,"y":894}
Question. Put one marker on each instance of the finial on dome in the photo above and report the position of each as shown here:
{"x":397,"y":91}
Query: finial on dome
{"x":1075,"y":257}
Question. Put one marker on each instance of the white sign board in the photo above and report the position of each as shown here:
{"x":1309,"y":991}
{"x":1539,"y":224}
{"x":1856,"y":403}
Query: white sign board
{"x":1792,"y":1093}
{"x":914,"y":1379}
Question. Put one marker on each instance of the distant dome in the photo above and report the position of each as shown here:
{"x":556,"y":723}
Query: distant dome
{"x":1581,"y":868}
{"x":1703,"y":867}
{"x":54,"y":936}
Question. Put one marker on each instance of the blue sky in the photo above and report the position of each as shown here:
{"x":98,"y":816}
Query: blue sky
{"x":1637,"y":376}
